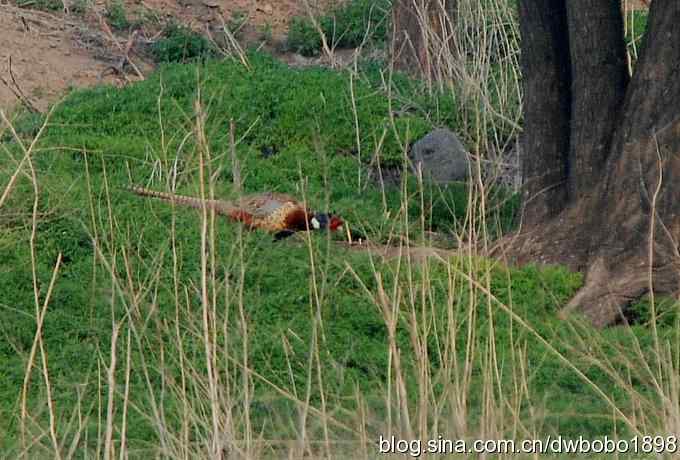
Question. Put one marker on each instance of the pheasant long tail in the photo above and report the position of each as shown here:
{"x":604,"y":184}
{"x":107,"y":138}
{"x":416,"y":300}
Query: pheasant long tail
{"x":220,"y":206}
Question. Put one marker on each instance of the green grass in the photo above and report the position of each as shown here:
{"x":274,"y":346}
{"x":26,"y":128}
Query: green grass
{"x":79,"y":7}
{"x":179,"y":43}
{"x":299,"y":313}
{"x":44,"y":5}
{"x":346,"y":26}
{"x":117,"y":16}
{"x":638,"y":21}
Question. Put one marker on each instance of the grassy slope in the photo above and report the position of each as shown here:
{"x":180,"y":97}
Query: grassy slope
{"x":306,"y":117}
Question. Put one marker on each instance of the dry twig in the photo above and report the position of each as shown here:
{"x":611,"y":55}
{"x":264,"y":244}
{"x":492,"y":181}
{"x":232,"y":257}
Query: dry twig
{"x":125,"y":51}
{"x":14,"y":87}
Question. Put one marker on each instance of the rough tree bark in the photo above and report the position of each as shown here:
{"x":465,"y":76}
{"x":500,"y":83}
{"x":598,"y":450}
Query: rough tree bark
{"x":602,"y":153}
{"x":545,"y":61}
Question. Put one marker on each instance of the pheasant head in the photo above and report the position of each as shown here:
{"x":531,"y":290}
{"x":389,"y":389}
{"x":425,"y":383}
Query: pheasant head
{"x":325,"y":221}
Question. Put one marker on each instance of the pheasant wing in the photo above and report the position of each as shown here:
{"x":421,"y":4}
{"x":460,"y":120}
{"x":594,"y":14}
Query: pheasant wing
{"x":262,"y":206}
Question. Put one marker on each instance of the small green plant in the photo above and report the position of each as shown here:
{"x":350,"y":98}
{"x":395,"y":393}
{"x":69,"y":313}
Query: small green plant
{"x":664,"y":311}
{"x":346,"y":26}
{"x":303,"y":37}
{"x":79,"y":7}
{"x":117,"y":16}
{"x":43,"y":5}
{"x":181,"y":44}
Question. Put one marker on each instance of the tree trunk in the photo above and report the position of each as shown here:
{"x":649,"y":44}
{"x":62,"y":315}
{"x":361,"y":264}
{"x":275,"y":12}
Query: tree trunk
{"x":617,"y":215}
{"x":547,"y":96}
{"x":599,"y":77}
{"x":420,"y":28}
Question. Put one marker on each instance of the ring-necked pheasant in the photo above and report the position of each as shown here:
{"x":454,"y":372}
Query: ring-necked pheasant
{"x":276,"y":213}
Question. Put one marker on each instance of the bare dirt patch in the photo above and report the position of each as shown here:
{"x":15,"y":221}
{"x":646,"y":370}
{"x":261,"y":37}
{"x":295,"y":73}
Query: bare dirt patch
{"x":45,"y":59}
{"x":52,"y":52}
{"x":258,"y":16}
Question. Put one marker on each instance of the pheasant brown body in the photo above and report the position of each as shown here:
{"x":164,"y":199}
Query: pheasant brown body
{"x":272,"y":212}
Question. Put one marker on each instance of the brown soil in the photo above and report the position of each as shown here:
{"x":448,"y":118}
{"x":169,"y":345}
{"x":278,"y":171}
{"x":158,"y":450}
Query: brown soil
{"x":53,"y":51}
{"x":44,"y":57}
{"x":258,"y":14}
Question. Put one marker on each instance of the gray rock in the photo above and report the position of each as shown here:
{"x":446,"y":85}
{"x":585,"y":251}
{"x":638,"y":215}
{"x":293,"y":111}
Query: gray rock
{"x":441,"y":156}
